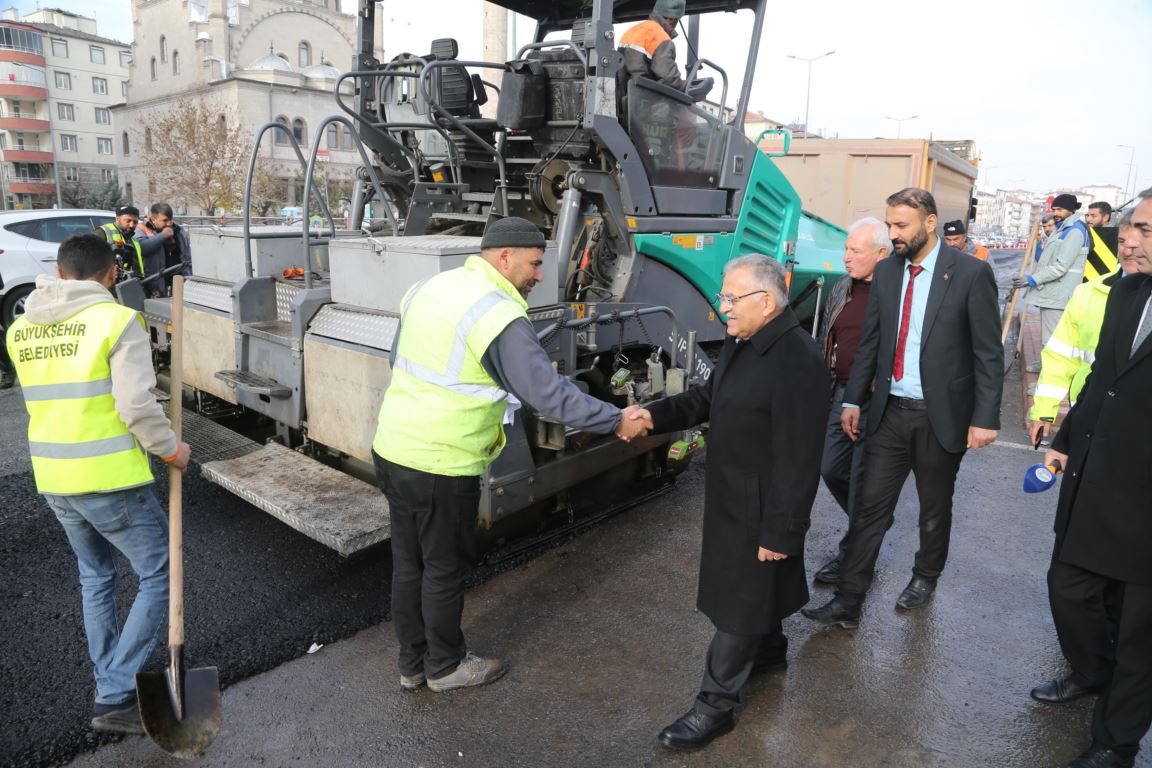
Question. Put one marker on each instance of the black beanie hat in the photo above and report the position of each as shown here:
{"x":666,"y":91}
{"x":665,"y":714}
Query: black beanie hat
{"x":1067,"y":202}
{"x":954,"y":228}
{"x":512,"y":232}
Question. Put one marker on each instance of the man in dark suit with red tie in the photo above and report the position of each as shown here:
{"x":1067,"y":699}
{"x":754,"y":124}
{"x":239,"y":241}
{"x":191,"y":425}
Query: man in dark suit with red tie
{"x":1104,"y":524}
{"x":930,"y":354}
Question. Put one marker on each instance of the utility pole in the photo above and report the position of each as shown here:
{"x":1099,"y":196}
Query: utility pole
{"x":1131,"y":161}
{"x":808,"y":97}
{"x":900,"y":122}
{"x":495,"y":44}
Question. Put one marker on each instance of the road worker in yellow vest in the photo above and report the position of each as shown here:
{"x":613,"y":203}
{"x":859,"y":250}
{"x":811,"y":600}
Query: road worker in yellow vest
{"x":464,"y":358}
{"x":85,"y":368}
{"x":121,"y":235}
{"x":1068,"y":355}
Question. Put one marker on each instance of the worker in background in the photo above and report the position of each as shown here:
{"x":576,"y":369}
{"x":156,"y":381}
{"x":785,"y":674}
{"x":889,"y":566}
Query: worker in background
{"x":464,"y":359}
{"x":1102,"y":260}
{"x":649,"y":51}
{"x":1060,"y":269}
{"x":85,"y":366}
{"x":120,"y":234}
{"x":1068,"y":355}
{"x":1047,"y":227}
{"x":163,"y":243}
{"x":956,"y":236}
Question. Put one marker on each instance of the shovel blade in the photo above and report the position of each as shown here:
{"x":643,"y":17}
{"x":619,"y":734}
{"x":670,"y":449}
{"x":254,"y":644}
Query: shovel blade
{"x":192,"y":734}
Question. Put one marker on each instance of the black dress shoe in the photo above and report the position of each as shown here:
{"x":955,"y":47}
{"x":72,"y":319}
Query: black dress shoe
{"x":916,"y":594}
{"x":769,"y":667}
{"x":829,"y":573}
{"x":834,"y":612}
{"x":1061,"y":690}
{"x":1099,"y":757}
{"x":695,"y":730}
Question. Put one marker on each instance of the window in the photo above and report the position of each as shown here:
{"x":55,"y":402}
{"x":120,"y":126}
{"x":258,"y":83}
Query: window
{"x":305,"y":54}
{"x":68,"y":142}
{"x":107,"y":174}
{"x":153,"y":67}
{"x":55,"y":229}
{"x":222,"y":128}
{"x":281,"y":134}
{"x":71,"y":173}
{"x":64,"y":81}
{"x":99,"y":85}
{"x":125,"y":59}
{"x":60,"y":48}
{"x":19,"y":136}
{"x":23,"y":74}
{"x":300,"y":130}
{"x":16,"y":111}
{"x":103,"y":116}
{"x":345,"y":139}
{"x":333,"y":136}
{"x":175,"y":62}
{"x":96,"y":54}
{"x":124,"y":88}
{"x":65,"y":112}
{"x":14,"y":39}
{"x":163,"y":48}
{"x":124,"y":143}
{"x":103,"y":146}
{"x":148,"y":139}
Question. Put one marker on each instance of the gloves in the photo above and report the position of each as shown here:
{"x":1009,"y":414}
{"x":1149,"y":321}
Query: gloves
{"x":1019,"y":282}
{"x":698,"y":89}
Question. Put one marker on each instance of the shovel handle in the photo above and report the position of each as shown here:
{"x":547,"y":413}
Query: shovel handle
{"x":175,"y":476}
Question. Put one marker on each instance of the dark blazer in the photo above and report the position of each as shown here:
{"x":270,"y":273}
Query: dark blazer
{"x":1104,"y":516}
{"x":766,"y":401}
{"x":961,"y":357}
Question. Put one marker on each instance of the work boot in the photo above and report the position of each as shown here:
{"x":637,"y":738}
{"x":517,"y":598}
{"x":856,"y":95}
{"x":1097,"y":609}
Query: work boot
{"x":473,"y":670}
{"x":123,"y":718}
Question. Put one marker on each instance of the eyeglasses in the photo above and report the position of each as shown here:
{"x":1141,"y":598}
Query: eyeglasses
{"x":723,"y":298}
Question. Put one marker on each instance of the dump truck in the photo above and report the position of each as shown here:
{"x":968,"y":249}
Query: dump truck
{"x":643,"y":196}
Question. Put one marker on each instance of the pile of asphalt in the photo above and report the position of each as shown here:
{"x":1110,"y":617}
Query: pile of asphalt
{"x":257,"y":594}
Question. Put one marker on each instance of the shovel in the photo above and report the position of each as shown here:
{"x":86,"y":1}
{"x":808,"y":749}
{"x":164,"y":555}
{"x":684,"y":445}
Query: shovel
{"x":180,"y":709}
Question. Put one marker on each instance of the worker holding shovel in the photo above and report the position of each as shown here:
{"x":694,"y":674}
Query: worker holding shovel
{"x":85,"y":366}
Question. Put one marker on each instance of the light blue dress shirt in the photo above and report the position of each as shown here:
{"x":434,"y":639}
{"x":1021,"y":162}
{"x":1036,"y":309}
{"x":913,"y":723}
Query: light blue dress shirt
{"x":909,"y":385}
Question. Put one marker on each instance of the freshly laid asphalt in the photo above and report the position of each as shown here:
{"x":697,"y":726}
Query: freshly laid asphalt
{"x":604,"y":643}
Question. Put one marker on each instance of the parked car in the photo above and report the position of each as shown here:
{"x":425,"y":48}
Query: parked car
{"x":28,"y":244}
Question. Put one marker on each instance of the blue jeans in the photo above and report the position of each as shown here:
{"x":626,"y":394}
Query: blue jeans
{"x":97,"y":525}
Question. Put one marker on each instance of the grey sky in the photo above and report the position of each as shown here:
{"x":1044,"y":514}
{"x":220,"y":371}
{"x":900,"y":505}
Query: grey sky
{"x":1046,"y":89}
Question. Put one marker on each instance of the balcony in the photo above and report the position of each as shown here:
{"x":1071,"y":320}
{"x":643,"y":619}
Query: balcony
{"x":26,"y":153}
{"x":16,"y":90}
{"x":19,"y":185}
{"x":11,"y":123}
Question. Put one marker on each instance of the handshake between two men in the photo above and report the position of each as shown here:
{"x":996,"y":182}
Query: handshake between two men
{"x":634,"y":422}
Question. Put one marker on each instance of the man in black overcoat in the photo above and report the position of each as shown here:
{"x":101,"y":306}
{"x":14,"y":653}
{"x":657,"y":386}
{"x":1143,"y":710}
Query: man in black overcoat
{"x":1104,"y":523}
{"x":931,"y":365}
{"x":766,"y":402}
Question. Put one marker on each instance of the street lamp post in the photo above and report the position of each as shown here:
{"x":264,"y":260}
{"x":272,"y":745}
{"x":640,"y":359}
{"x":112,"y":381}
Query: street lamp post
{"x":808,"y":97}
{"x":900,"y":122}
{"x":1131,"y":160}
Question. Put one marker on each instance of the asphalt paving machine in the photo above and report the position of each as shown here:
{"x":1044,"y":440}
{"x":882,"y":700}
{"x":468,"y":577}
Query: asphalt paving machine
{"x":643,"y":194}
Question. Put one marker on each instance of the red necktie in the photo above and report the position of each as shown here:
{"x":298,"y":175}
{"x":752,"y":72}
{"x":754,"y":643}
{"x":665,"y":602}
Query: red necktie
{"x":905,"y":319}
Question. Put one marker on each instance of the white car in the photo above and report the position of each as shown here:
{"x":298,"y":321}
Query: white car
{"x":28,"y":244}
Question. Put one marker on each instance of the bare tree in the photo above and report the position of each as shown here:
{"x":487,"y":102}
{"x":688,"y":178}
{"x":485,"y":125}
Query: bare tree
{"x":198,"y":155}
{"x":268,"y":188}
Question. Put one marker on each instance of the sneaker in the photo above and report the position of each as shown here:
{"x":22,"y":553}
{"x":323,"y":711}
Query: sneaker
{"x":412,"y":682}
{"x":118,"y":718}
{"x":473,"y":670}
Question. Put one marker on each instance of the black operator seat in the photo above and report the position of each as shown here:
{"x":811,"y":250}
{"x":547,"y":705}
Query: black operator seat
{"x":455,"y":91}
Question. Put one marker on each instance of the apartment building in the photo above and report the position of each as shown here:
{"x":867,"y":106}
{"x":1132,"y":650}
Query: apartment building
{"x":58,"y":82}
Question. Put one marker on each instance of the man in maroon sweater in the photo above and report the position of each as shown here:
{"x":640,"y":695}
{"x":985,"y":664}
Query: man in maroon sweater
{"x":840,"y":330}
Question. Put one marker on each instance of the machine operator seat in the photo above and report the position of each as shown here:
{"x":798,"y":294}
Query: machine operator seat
{"x":458,"y":93}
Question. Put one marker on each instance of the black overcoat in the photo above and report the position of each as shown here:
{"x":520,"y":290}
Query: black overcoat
{"x":1104,"y":516}
{"x":766,"y":401}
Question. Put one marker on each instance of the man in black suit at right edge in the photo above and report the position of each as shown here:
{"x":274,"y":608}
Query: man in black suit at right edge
{"x":1104,"y":524}
{"x":931,"y":355}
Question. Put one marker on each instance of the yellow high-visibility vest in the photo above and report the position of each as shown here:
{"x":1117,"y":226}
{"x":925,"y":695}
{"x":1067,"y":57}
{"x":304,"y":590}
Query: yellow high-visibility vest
{"x":442,"y":412}
{"x":117,"y":240}
{"x":77,"y":440}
